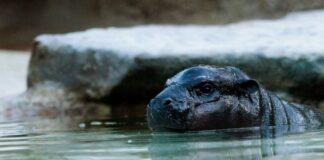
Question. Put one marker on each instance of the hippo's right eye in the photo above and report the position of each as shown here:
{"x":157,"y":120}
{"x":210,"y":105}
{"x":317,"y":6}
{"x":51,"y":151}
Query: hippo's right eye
{"x":204,"y":88}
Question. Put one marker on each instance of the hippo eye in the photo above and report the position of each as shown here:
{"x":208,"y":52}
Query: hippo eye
{"x":205,"y":88}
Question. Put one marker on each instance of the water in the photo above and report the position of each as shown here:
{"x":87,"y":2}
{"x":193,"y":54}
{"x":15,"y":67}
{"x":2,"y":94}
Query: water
{"x":126,"y":137}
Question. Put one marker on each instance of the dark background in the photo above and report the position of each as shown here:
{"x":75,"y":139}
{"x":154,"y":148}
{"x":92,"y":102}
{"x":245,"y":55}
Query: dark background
{"x":22,"y":20}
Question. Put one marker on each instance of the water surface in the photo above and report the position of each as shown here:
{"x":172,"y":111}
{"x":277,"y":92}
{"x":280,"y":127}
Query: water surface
{"x":127,"y":137}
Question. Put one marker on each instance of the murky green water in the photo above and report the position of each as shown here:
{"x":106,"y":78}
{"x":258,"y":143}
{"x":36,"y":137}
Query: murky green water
{"x":127,"y":137}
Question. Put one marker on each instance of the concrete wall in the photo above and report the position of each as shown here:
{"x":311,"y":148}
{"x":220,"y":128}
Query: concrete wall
{"x":22,"y":20}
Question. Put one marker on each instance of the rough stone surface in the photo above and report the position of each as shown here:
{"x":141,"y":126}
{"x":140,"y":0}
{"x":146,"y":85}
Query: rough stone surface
{"x":48,"y":103}
{"x":119,"y":64}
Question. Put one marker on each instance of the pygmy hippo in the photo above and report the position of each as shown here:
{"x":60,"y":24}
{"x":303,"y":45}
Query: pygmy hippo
{"x":208,"y":97}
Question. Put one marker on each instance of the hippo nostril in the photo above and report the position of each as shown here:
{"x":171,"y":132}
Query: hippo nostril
{"x":167,"y":102}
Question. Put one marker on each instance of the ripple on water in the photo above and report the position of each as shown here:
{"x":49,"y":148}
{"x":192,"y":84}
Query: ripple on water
{"x":125,"y":140}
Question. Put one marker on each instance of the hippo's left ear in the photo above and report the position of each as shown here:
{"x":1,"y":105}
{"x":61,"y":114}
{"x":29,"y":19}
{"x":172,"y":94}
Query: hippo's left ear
{"x":248,"y":86}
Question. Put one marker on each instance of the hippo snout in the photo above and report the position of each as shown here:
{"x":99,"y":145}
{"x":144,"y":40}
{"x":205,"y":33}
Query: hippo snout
{"x":169,"y":110}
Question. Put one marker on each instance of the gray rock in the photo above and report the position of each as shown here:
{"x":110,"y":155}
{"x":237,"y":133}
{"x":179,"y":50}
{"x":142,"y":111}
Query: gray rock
{"x":131,"y":64}
{"x":89,"y":73}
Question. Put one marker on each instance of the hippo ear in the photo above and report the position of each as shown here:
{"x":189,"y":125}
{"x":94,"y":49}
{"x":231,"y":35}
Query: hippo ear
{"x":248,"y":86}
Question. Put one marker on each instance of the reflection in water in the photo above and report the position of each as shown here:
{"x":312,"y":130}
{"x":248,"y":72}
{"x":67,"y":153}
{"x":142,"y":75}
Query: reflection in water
{"x":249,"y":143}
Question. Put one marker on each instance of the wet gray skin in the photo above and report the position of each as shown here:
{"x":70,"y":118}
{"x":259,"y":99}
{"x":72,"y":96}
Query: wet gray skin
{"x":207,"y":97}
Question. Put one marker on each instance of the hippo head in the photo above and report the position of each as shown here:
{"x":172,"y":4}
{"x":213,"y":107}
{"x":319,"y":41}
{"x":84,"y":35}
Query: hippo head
{"x":204,"y":98}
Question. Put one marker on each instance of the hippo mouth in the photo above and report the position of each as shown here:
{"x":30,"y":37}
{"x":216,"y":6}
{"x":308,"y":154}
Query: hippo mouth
{"x":168,"y":128}
{"x":179,"y":122}
{"x":168,"y":120}
{"x":198,"y":104}
{"x":162,"y":128}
